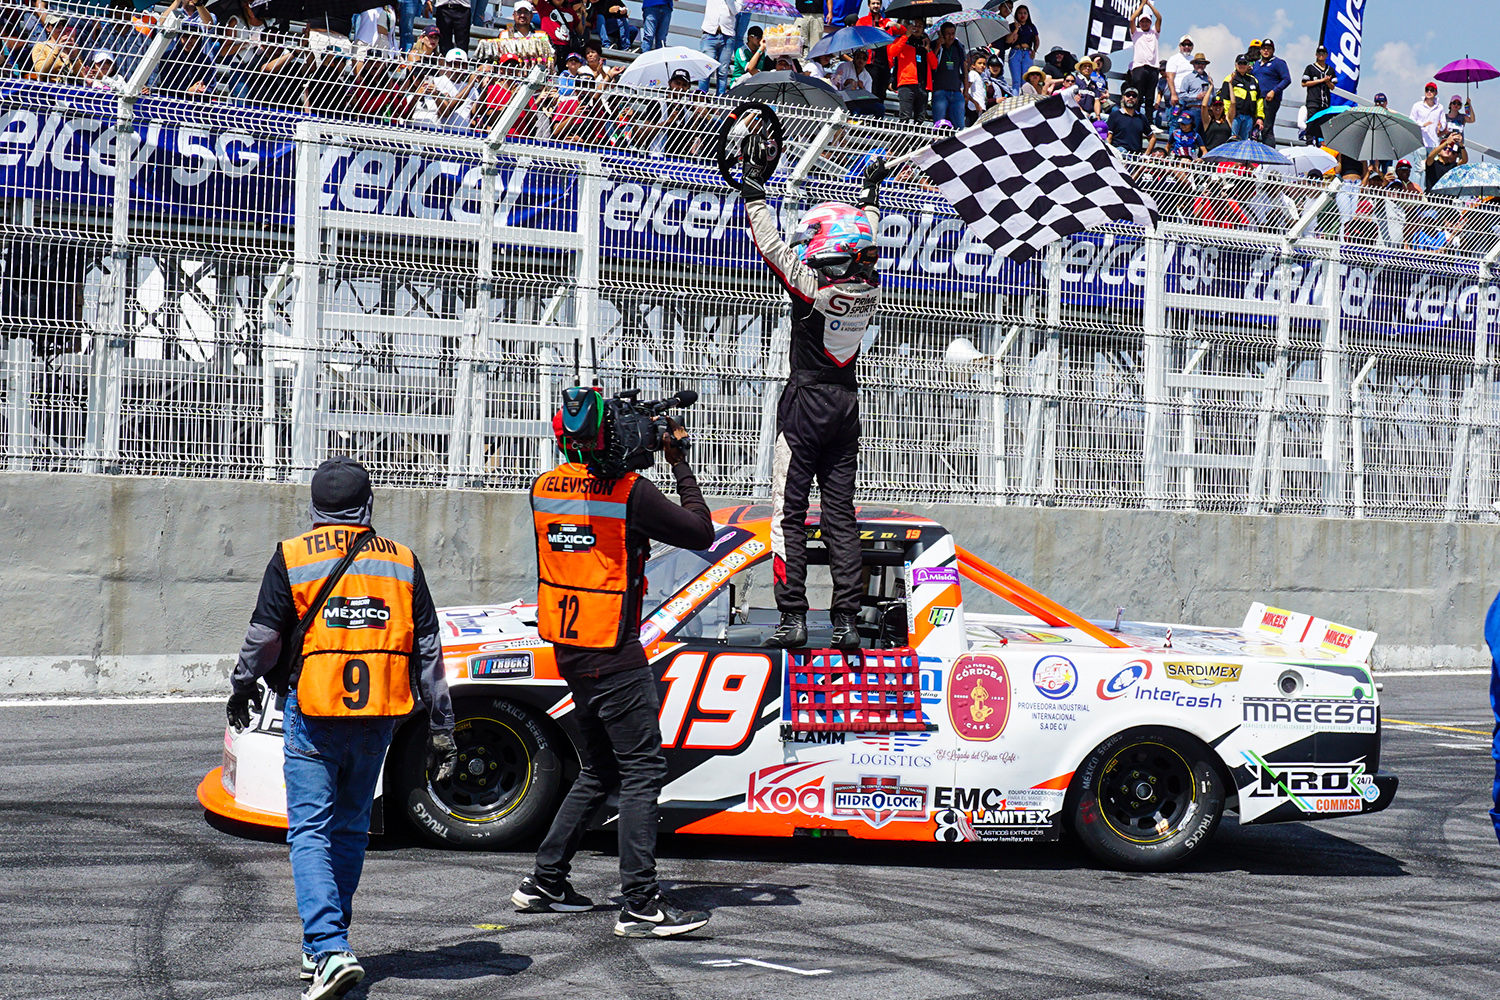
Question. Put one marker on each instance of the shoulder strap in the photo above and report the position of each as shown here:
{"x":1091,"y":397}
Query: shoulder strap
{"x":313,"y":609}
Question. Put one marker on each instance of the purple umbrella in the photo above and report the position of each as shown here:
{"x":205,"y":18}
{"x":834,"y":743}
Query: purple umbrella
{"x":1467,"y":71}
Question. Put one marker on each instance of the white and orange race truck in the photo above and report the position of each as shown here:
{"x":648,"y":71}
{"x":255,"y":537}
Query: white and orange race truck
{"x":948,"y":726}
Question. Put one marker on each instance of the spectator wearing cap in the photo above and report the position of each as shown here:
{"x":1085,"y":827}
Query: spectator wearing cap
{"x":1093,"y":89}
{"x":443,"y":98}
{"x":656,"y":21}
{"x":1179,"y":65}
{"x":994,"y":78}
{"x":880,"y":61}
{"x":1403,"y":181}
{"x":1216,"y":129}
{"x":1195,"y":90}
{"x":751,"y":57}
{"x":1459,"y":114}
{"x":453,"y":19}
{"x":1274,"y":77}
{"x":521,"y":39}
{"x":1428,"y":113}
{"x":495,"y":95}
{"x":1242,"y":100}
{"x":1145,"y":40}
{"x":56,"y":57}
{"x":99,"y":71}
{"x":1318,"y":79}
{"x":1128,"y":123}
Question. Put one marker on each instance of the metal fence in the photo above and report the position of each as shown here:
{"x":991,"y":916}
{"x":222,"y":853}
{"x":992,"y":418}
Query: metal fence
{"x":238,"y":280}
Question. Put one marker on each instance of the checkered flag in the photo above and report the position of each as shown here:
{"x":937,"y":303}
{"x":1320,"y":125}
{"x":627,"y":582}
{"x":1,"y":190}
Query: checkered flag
{"x":1109,"y":25}
{"x":1032,"y":176}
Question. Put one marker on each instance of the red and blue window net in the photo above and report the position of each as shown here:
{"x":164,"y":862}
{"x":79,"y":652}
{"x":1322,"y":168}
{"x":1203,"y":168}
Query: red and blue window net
{"x":869,"y":691}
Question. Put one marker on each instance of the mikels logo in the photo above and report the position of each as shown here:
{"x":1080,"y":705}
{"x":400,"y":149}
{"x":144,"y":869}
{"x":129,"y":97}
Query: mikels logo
{"x":356,"y":612}
{"x":570,"y":537}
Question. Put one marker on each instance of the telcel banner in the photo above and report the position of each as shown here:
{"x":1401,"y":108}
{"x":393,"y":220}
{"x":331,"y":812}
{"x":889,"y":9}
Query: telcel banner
{"x":1343,"y":37}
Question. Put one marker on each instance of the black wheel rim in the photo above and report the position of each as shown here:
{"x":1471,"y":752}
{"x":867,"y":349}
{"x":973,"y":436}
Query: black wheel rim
{"x":492,"y":774}
{"x":1147,"y":792}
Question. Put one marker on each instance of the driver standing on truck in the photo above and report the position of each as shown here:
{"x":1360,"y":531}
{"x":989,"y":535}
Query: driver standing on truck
{"x":595,"y":522}
{"x":368,"y":642}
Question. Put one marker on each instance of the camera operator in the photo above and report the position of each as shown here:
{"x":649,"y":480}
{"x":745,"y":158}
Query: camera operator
{"x":595,"y":520}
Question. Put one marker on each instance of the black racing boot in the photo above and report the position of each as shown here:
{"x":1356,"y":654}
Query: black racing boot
{"x":845,"y":631}
{"x":791,"y":633}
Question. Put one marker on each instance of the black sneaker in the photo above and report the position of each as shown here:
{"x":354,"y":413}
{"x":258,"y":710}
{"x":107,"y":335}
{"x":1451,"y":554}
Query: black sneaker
{"x":533,"y":897}
{"x":845,"y":631}
{"x":659,"y":918}
{"x":791,"y":633}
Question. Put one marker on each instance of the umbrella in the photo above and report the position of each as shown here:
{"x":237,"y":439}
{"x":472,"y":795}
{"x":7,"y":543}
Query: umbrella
{"x":910,"y":10}
{"x":862,"y":103}
{"x":975,"y":29}
{"x":1372,"y":134}
{"x":1245,"y":151}
{"x":859,"y":36}
{"x":783,"y":88}
{"x":1467,"y":71}
{"x":656,"y":67}
{"x":773,"y":8}
{"x":1470,"y":180}
{"x":1326,"y":112}
{"x":1305,"y":158}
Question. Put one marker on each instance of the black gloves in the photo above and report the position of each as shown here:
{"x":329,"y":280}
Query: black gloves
{"x":442,"y":754}
{"x":875,"y":172}
{"x":758,"y":159}
{"x":238,"y":707}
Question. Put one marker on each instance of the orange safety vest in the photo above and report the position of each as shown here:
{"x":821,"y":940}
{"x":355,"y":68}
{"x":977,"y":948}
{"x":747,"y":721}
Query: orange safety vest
{"x":583,"y":566}
{"x":357,"y":653}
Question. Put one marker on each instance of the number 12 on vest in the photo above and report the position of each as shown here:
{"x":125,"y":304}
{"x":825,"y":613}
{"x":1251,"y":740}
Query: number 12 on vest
{"x":722,"y":696}
{"x":567,"y":617}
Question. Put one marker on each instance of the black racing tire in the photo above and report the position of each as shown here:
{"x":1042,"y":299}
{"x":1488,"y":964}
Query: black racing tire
{"x":505,"y":785}
{"x":1146,"y":799}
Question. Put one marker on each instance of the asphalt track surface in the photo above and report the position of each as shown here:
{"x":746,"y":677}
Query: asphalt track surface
{"x":112,"y":884}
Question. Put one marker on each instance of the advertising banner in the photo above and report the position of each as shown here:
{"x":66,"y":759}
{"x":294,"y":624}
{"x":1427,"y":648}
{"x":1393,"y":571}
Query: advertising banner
{"x":1343,"y":37}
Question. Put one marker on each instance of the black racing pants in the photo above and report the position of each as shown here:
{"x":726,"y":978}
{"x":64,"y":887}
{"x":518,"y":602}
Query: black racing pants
{"x":817,"y":434}
{"x":617,"y":716}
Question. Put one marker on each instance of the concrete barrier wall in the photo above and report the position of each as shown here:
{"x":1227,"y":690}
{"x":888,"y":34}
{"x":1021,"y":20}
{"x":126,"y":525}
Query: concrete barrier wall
{"x":128,"y":585}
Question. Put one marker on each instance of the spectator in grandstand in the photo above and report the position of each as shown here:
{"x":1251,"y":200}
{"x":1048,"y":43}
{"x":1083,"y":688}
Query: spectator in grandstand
{"x":1179,"y":65}
{"x":1428,"y":233}
{"x":445,"y":97}
{"x":375,"y":94}
{"x":910,"y":63}
{"x":1216,"y":205}
{"x":1166,"y":181}
{"x":1183,"y":137}
{"x":1216,"y":130}
{"x":453,"y":21}
{"x":1270,"y":205}
{"x":1127,"y":123}
{"x":1241,"y":95}
{"x":375,"y":29}
{"x":56,"y":57}
{"x":1403,"y":182}
{"x":1460,"y":113}
{"x":1145,"y":40}
{"x":406,"y":17}
{"x":751,"y":57}
{"x":1274,"y":77}
{"x":948,"y":75}
{"x":1038,"y":83}
{"x":720,"y":18}
{"x":522,"y":40}
{"x":16,"y":26}
{"x":570,"y":103}
{"x":818,"y":67}
{"x":976,"y":94}
{"x":1443,"y":157}
{"x":855,"y":74}
{"x":612,"y":22}
{"x":1428,"y":114}
{"x":187,"y":68}
{"x":1060,"y":63}
{"x":99,"y":73}
{"x":1023,"y":43}
{"x":505,"y":80}
{"x":594,"y":66}
{"x":684,"y":122}
{"x":563,"y":24}
{"x":1317,"y":80}
{"x":880,"y":60}
{"x":1195,"y":90}
{"x":656,"y":19}
{"x":326,"y":79}
{"x":1093,"y":88}
{"x":994,"y":79}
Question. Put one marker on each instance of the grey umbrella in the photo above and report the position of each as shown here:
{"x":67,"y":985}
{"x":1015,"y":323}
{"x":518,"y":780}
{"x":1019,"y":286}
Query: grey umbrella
{"x":1371,"y":134}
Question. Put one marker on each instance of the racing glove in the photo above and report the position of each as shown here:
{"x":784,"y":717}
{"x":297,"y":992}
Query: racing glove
{"x":442,"y":754}
{"x":875,"y":172}
{"x":758,"y":159}
{"x":238,"y":707}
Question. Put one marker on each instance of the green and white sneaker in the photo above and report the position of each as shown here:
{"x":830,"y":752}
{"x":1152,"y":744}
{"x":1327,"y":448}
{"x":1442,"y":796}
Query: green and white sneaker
{"x":309,"y":968}
{"x":335,"y":975}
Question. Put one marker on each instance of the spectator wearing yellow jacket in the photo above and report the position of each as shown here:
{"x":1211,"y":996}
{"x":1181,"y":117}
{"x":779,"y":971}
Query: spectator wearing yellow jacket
{"x":1243,"y":103}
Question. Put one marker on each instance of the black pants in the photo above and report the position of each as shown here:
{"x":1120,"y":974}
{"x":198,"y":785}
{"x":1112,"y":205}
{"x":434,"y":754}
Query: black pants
{"x":1268,"y":131}
{"x":617,"y":716}
{"x":453,"y":27}
{"x":913,"y":98}
{"x":1144,"y":78}
{"x":880,"y":79}
{"x":1314,"y":130}
{"x":817,"y":434}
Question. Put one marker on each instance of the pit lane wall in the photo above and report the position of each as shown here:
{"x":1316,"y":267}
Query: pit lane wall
{"x":117,"y":585}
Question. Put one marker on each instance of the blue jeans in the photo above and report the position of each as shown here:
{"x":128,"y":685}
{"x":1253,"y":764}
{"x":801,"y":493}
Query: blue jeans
{"x":948,"y":104}
{"x":1020,"y":61}
{"x":717,"y":46}
{"x":614,"y":31}
{"x":655,"y":20}
{"x":741,"y":25}
{"x":330,"y":768}
{"x":477,"y":9}
{"x":1242,"y":126}
{"x":406,"y":13}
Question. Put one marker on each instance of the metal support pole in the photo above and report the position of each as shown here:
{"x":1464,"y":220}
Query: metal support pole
{"x":999,"y":403}
{"x":19,"y":435}
{"x":798,"y":176}
{"x":307,"y":272}
{"x":590,"y":191}
{"x":1034,"y":478}
{"x":1154,"y":431}
{"x":1335,"y":370}
{"x":1357,"y":434}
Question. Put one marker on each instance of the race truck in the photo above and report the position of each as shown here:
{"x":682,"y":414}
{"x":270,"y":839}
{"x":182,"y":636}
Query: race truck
{"x":946,"y":725}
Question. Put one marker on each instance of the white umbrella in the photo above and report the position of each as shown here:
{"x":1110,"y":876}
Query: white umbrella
{"x":1306,"y":158}
{"x":656,"y":67}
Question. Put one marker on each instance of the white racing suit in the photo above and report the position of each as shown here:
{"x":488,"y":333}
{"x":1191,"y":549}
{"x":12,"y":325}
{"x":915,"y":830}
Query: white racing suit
{"x":817,"y":418}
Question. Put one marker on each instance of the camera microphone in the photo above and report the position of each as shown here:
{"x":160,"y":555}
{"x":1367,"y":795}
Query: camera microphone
{"x":683,"y":397}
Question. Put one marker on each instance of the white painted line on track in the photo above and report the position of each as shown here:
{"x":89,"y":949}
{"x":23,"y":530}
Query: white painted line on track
{"x":1430,"y":673}
{"x":729,"y":963}
{"x":89,"y":702}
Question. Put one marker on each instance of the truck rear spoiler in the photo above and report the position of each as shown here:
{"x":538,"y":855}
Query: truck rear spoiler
{"x":1310,"y":632}
{"x":1031,"y":601}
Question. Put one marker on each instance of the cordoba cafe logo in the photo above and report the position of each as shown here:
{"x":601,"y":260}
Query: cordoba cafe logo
{"x":978,"y":697}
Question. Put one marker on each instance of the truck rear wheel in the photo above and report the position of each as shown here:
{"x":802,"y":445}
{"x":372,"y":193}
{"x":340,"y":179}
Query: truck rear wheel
{"x":504,"y":786}
{"x":1147,"y":798}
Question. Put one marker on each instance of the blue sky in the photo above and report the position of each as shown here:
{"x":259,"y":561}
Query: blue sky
{"x":1404,"y":43}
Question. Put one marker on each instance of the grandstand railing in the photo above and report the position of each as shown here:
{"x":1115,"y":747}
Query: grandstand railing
{"x":238,"y":280}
